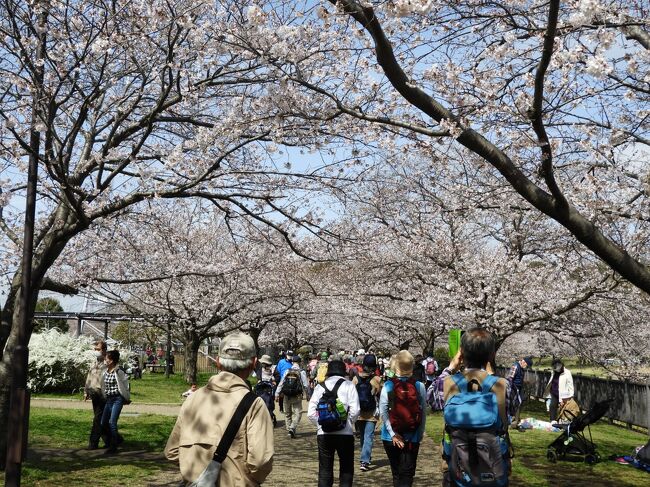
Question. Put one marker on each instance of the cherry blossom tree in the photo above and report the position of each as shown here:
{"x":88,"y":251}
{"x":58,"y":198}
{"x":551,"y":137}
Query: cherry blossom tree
{"x":186,"y":268}
{"x":551,"y":98}
{"x":122,"y":102}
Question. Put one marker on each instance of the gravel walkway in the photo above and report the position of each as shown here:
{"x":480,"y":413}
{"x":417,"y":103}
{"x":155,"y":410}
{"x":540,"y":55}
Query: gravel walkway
{"x":295,"y":461}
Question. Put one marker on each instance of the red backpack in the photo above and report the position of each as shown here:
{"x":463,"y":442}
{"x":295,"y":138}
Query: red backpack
{"x":405,"y":413}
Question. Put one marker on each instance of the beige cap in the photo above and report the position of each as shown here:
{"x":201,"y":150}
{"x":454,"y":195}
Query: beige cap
{"x":237,"y":346}
{"x":266,"y":360}
{"x":404,"y":363}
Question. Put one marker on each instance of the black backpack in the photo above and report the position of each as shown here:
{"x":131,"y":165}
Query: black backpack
{"x":367,"y":401}
{"x":292,"y":386}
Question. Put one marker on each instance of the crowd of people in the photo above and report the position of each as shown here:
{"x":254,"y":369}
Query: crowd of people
{"x":354,"y":393}
{"x":348,"y":394}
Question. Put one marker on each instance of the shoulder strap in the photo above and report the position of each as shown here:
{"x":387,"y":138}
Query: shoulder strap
{"x":234,"y":425}
{"x":488,"y":383}
{"x":460,"y":381}
{"x":336,"y":387}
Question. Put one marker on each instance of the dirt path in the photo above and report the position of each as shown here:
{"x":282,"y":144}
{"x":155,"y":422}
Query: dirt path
{"x":131,"y":409}
{"x":295,"y":462}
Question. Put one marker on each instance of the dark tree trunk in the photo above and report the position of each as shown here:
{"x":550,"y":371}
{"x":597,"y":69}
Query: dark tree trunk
{"x":192,"y":343}
{"x":255,"y":333}
{"x":365,"y":343}
{"x":429,"y":343}
{"x":5,"y":391}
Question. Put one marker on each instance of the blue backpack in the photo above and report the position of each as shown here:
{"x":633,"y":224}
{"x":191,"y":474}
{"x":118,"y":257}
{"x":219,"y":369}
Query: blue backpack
{"x":332,"y":414}
{"x":474,"y":437}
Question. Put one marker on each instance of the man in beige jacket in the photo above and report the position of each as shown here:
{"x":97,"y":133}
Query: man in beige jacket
{"x":205,"y":415}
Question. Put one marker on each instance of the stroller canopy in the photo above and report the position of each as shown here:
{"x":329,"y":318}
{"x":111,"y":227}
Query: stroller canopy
{"x":591,"y":416}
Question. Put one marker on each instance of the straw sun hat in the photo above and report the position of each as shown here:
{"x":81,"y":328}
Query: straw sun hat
{"x":404,"y":364}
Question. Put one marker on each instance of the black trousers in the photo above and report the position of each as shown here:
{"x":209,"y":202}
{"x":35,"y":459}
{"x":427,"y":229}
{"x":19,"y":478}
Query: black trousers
{"x":343,"y":446}
{"x":98,"y":431}
{"x":402,"y":462}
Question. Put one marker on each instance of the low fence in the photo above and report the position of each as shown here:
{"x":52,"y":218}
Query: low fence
{"x":203,"y":364}
{"x":630,"y":401}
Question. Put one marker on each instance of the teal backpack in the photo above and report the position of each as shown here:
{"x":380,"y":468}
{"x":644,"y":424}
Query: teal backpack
{"x":475,"y":445}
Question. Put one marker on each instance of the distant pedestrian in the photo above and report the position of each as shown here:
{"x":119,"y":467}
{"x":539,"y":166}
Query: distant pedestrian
{"x":516,"y":379}
{"x":319,"y":373}
{"x":206,"y":414}
{"x":334,"y":407}
{"x":402,"y":407}
{"x":294,"y":387}
{"x":284,"y":364}
{"x":430,"y":368}
{"x":559,"y":388}
{"x":93,"y":391}
{"x":265,"y":370}
{"x":368,"y":386}
{"x":115,"y":388}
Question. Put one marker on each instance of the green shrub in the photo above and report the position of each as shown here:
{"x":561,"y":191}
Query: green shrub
{"x":441,"y":355}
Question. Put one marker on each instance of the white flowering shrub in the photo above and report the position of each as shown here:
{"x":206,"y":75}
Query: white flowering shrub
{"x":58,"y":362}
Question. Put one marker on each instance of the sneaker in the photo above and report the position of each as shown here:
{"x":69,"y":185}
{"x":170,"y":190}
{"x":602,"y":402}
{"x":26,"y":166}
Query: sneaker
{"x":364,"y":467}
{"x":292,"y":433}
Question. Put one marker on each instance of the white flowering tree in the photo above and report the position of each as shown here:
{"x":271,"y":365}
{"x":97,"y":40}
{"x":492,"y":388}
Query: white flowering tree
{"x":124,"y":102}
{"x":186,"y":269}
{"x":551,"y":98}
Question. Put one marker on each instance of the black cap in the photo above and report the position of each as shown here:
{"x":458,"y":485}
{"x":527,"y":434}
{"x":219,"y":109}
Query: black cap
{"x":370,"y":361}
{"x":336,"y":367}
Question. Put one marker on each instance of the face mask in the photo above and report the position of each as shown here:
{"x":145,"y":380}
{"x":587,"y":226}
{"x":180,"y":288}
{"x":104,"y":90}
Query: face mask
{"x":98,"y":354}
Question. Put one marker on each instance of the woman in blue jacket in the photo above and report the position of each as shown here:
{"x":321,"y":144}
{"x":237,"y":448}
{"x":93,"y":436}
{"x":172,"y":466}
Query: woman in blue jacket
{"x":402,"y":407}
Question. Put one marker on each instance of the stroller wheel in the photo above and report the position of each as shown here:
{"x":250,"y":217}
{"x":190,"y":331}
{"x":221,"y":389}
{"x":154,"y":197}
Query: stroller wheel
{"x":551,"y":456}
{"x":591,"y":459}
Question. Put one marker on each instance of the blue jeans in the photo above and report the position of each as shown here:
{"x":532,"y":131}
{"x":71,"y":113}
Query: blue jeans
{"x":366,"y":436}
{"x":112,"y":411}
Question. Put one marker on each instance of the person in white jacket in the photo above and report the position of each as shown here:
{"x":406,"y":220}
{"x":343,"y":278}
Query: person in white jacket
{"x":559,"y":388}
{"x":342,"y":440}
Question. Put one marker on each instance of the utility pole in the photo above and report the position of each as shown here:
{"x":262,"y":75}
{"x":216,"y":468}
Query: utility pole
{"x":19,"y":402}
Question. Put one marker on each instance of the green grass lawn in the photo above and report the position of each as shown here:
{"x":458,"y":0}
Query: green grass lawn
{"x":57,"y":455}
{"x":152,"y":388}
{"x":530,"y":468}
{"x":571,"y":363}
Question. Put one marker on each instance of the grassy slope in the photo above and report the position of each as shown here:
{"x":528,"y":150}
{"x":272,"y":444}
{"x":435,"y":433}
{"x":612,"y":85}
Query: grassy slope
{"x":531,"y":469}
